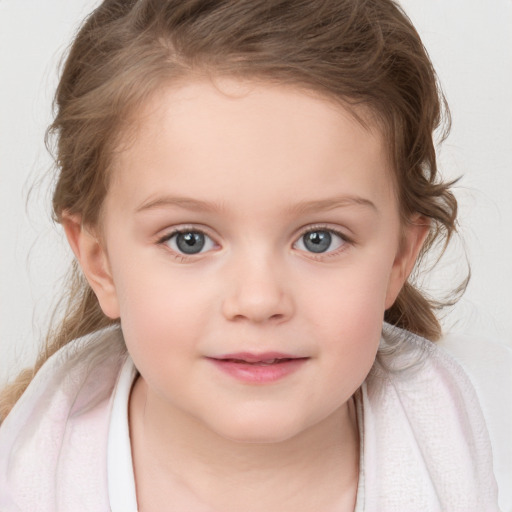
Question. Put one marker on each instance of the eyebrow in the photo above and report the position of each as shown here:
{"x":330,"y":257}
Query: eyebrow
{"x":332,"y":203}
{"x":303,"y":207}
{"x":186,"y":203}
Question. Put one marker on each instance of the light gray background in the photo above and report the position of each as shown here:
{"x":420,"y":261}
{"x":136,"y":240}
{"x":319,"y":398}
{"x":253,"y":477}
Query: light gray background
{"x":470,"y":43}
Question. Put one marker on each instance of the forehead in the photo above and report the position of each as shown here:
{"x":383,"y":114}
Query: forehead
{"x":223,"y":138}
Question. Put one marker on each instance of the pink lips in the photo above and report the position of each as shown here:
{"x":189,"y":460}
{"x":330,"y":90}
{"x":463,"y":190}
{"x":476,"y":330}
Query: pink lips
{"x":258,"y":368}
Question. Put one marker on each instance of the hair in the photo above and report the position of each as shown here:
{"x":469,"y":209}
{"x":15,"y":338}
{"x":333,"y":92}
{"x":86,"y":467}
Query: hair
{"x":363,"y":53}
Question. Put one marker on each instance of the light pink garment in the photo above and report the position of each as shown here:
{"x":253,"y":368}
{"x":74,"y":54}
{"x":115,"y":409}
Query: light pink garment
{"x":425,"y":445}
{"x":53,"y":445}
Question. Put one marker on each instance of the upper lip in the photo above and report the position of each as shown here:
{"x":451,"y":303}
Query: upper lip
{"x":250,"y":357}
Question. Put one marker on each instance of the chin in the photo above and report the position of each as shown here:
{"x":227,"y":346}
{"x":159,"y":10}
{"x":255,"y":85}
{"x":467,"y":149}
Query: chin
{"x":259,"y":429}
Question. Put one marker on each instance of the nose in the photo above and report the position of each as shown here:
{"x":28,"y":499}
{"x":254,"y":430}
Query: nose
{"x":258,"y":292}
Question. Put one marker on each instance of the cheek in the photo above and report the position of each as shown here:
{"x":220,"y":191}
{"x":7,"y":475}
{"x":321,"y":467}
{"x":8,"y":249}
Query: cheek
{"x":161,"y":312}
{"x":347,"y":312}
{"x":355,"y":294}
{"x":353,"y":326}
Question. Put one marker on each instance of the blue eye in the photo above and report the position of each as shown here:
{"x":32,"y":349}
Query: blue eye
{"x":320,"y":241}
{"x":189,"y":242}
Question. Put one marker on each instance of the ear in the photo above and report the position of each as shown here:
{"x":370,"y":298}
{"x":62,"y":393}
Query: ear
{"x":93,"y":260}
{"x":413,"y":237}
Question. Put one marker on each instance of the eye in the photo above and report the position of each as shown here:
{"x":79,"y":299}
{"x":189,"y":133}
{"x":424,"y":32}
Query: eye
{"x":189,"y":242}
{"x":320,"y":241}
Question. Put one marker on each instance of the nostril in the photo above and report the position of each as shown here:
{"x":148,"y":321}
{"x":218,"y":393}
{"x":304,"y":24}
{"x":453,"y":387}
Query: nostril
{"x":256,"y":316}
{"x":272,"y":318}
{"x":257,"y":300}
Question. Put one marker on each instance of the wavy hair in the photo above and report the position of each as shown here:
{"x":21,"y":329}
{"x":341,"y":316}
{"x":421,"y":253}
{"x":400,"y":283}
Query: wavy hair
{"x":360,"y":52}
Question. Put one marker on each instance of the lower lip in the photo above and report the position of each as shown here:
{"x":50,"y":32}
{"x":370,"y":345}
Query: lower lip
{"x":259,"y":374}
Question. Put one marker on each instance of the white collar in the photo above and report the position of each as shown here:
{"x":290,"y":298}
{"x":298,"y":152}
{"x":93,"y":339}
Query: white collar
{"x":121,"y":481}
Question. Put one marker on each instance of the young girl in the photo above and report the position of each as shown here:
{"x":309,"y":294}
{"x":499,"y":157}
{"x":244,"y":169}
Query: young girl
{"x":247,"y":187}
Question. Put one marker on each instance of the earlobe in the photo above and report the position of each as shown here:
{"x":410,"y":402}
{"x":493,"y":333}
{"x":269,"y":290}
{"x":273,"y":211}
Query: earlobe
{"x":416,"y":231}
{"x":93,"y":260}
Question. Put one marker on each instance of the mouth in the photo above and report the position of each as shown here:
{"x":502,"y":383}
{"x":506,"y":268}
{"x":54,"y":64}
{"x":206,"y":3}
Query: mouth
{"x":258,"y":368}
{"x":265,"y":362}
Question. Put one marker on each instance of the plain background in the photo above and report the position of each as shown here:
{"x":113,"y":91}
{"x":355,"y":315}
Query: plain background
{"x":470,"y":43}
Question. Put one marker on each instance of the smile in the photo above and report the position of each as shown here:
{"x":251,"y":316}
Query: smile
{"x":258,"y":368}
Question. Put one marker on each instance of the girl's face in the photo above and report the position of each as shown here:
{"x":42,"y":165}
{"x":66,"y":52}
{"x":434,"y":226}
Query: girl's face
{"x":251,"y":243}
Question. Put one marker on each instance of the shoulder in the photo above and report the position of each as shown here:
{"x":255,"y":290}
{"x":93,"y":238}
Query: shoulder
{"x":453,"y":400}
{"x":488,"y":364}
{"x":55,"y":436}
{"x":72,"y":371}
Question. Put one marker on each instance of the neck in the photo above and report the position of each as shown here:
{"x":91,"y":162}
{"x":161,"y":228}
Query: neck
{"x":316,"y":469}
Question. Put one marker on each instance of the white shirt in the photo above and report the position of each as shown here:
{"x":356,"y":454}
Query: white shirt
{"x":121,"y":481}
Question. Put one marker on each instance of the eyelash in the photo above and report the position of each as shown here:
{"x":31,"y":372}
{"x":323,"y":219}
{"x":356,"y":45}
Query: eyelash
{"x":323,"y":255}
{"x":181,"y":257}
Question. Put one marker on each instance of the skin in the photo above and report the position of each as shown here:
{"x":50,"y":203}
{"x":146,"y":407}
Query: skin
{"x":254,"y":166}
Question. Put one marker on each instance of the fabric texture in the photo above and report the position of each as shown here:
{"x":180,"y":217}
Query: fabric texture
{"x":424,"y":441}
{"x":426,"y":445}
{"x":53,"y":443}
{"x":488,"y":364}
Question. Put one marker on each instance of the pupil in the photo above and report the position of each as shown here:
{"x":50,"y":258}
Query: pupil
{"x":317,"y":241}
{"x":190,"y":243}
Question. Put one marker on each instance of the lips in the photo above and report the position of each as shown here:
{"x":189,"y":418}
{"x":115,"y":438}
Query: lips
{"x":261,"y":363}
{"x":249,"y":357}
{"x":258,"y":368}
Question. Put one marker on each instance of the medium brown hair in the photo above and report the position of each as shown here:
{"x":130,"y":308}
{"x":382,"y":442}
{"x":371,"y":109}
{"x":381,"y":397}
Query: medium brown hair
{"x":364,"y":53}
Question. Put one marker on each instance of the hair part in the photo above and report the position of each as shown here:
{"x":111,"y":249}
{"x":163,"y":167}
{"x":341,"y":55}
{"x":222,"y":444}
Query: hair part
{"x":363,"y":53}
